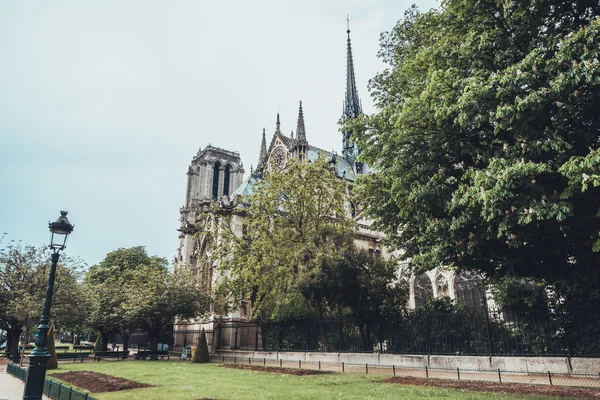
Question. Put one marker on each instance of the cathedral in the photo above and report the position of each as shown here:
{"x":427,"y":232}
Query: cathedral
{"x":216,"y":176}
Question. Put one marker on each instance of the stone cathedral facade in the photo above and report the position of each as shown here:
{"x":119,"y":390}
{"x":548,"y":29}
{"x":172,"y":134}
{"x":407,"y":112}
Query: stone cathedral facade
{"x":216,"y":177}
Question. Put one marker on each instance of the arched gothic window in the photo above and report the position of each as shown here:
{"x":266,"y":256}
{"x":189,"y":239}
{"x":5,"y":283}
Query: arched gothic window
{"x":226,"y":180}
{"x":468,"y":288}
{"x":423,"y":290}
{"x":215,"y":188}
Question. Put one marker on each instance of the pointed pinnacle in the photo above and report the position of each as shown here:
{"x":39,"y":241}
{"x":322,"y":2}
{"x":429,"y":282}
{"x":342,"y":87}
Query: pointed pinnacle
{"x":278,"y":124}
{"x":263,"y":150}
{"x":300,"y":128}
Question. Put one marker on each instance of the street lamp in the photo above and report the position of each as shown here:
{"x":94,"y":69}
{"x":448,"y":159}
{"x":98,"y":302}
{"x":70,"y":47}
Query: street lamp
{"x":38,"y":359}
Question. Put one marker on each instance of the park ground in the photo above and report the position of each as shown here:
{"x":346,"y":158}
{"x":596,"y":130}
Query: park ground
{"x":183,"y":380}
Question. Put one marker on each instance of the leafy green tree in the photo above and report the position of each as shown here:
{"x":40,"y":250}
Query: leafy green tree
{"x":294,"y":221}
{"x":154,"y":298}
{"x":486,"y":141}
{"x":24,"y":273}
{"x":364,"y":286}
{"x":105,"y":282}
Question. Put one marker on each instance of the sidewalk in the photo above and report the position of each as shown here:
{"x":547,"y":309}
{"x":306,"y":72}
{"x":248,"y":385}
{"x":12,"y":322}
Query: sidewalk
{"x":11,"y":388}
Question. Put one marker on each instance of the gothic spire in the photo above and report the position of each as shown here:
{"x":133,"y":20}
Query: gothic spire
{"x":352,"y":105}
{"x":300,"y":129}
{"x":263,"y":151}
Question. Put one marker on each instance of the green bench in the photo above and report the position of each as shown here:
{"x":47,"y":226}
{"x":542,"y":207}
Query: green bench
{"x":152,"y":355}
{"x":72,"y":356}
{"x":119,"y":355}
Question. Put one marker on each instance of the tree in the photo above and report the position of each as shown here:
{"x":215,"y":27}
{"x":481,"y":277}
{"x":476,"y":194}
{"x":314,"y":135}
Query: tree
{"x":486,"y":140}
{"x":294,"y":221}
{"x":154,"y":298}
{"x":105,"y":282}
{"x":24,"y":273}
{"x":365,"y":285}
{"x":201,"y":354}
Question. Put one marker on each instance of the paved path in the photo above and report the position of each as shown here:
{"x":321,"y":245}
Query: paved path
{"x":11,"y":388}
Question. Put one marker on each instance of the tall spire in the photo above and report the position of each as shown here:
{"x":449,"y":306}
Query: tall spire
{"x":263,"y":151}
{"x":278,"y":125}
{"x":352,"y":105}
{"x":300,"y":129}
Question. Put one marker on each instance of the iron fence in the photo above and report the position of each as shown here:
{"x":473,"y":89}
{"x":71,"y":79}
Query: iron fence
{"x":425,"y":372}
{"x":471,"y":331}
{"x":52,"y":389}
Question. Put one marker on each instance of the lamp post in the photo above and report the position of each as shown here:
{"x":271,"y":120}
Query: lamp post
{"x":38,"y":359}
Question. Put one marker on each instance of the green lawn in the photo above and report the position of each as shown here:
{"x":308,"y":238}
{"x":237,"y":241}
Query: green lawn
{"x":183,"y":380}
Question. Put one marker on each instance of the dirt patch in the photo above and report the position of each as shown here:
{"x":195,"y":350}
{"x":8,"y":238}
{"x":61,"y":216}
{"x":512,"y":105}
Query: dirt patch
{"x":556,"y":391}
{"x":96,"y":383}
{"x":277,"y":370}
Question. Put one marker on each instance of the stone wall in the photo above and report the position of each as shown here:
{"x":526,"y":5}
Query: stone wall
{"x":516,"y":364}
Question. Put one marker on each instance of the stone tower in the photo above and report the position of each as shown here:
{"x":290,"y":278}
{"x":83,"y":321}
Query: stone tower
{"x":213,"y":175}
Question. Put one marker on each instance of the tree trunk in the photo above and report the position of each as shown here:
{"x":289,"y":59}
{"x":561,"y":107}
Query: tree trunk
{"x":125,"y":337}
{"x":9,"y":336}
{"x":14,"y":343}
{"x":104,"y":340}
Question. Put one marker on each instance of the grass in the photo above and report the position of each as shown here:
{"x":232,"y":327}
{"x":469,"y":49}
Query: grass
{"x":182,"y":380}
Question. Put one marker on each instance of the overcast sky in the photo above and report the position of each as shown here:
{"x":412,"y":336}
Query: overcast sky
{"x":103,"y":104}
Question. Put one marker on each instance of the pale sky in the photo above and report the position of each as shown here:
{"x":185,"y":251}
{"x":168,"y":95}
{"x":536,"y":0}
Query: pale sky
{"x":103,"y":104}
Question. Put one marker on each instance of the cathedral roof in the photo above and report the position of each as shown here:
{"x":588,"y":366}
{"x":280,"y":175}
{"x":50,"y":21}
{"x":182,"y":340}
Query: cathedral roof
{"x":247,"y":186}
{"x":344,"y":167}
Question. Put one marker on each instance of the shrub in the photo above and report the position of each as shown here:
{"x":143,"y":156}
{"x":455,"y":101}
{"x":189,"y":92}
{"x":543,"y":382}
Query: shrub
{"x":201,"y":354}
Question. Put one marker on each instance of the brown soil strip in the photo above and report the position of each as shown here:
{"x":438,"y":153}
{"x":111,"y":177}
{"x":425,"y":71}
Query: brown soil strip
{"x":540,"y":390}
{"x":277,"y":370}
{"x":96,"y":383}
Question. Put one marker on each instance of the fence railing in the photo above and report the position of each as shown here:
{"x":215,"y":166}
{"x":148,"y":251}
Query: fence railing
{"x":483,"y":375}
{"x":488,"y":332}
{"x":54,"y":390}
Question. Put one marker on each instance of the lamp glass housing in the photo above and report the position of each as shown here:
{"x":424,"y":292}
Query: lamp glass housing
{"x":59,"y":231}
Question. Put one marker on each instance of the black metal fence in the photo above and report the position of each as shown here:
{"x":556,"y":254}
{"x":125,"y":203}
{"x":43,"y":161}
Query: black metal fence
{"x":54,"y":390}
{"x":490,"y":332}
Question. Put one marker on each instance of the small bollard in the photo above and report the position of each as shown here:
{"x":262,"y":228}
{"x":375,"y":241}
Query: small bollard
{"x":265,"y":361}
{"x":223,"y":359}
{"x":300,"y":364}
{"x":319,"y":365}
{"x":499,"y":376}
{"x":394,"y":369}
{"x":458,"y":373}
{"x":550,"y":377}
{"x":367,"y":368}
{"x":249,"y":361}
{"x":235,"y":359}
{"x":426,"y":372}
{"x":280,"y":362}
{"x":342,"y":366}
